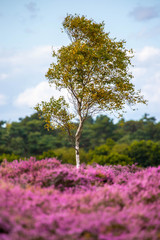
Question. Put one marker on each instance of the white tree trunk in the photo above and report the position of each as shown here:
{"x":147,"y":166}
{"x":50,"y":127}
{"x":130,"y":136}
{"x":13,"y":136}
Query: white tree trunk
{"x":77,"y":154}
{"x":77,"y":140}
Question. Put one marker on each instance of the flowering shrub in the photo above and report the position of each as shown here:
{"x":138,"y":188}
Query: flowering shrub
{"x":45,"y":200}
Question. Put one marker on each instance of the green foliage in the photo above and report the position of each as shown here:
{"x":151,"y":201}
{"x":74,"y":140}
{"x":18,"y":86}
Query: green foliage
{"x":55,"y":114}
{"x":48,"y":154}
{"x":120,"y":148}
{"x":102,"y":128}
{"x":47,"y":142}
{"x":110,"y":154}
{"x":67,"y":155}
{"x":8,"y":157}
{"x":118,"y":159}
{"x":17,"y":143}
{"x":28,"y":138}
{"x":145,"y":153}
{"x":112,"y":159}
{"x":102,"y":150}
{"x":110,"y":143}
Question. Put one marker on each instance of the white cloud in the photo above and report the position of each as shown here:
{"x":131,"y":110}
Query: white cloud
{"x":21,"y":77}
{"x":147,"y":75}
{"x":148,"y":53}
{"x":42,"y":92}
{"x":36,"y":55}
{"x":20,"y":70}
{"x":28,"y":61}
{"x":3,"y":99}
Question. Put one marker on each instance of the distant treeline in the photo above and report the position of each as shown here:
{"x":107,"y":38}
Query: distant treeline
{"x":103,"y":141}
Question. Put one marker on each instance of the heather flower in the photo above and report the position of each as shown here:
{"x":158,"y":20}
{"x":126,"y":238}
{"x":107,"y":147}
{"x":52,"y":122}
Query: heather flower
{"x":48,"y":200}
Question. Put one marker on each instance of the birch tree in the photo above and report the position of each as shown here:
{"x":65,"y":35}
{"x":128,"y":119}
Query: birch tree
{"x":94,"y":69}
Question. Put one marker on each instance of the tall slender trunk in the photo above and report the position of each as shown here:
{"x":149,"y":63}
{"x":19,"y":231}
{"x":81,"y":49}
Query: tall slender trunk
{"x":77,"y":153}
{"x":77,"y":141}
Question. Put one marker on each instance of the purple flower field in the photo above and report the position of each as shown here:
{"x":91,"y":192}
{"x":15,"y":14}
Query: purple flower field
{"x":45,"y":200}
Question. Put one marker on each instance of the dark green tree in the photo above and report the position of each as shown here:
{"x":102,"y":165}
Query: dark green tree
{"x":145,"y":153}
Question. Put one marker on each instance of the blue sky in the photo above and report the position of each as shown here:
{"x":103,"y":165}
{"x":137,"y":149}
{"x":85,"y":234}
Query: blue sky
{"x":30,"y":28}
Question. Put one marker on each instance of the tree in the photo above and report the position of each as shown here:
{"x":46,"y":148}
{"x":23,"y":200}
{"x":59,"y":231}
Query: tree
{"x":94,"y":69}
{"x":145,"y":153}
{"x":101,"y":130}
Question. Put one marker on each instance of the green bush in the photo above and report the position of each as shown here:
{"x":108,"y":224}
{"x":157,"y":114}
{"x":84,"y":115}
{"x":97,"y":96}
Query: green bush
{"x":67,"y":155}
{"x":8,"y":157}
{"x":110,"y":154}
{"x":120,"y":148}
{"x":48,"y":154}
{"x":101,"y":150}
{"x":112,"y":159}
{"x":145,"y":153}
{"x":118,"y":159}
